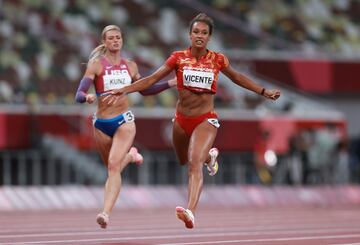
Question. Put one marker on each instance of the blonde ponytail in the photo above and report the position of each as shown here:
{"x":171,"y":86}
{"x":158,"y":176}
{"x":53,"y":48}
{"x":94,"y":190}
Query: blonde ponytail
{"x":97,"y":52}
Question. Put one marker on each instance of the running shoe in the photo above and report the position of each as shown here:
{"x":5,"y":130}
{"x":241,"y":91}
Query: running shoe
{"x":213,"y":166}
{"x":186,"y":216}
{"x":102,"y":219}
{"x":137,"y":157}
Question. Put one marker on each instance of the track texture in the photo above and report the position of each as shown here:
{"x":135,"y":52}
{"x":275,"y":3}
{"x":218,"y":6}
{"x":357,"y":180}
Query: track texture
{"x":268,"y":225}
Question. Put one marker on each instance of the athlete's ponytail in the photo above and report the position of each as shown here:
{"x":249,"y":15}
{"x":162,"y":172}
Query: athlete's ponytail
{"x":97,"y":52}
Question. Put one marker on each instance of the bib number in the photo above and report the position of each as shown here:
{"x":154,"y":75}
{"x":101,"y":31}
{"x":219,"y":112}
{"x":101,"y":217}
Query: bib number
{"x":198,"y":79}
{"x":129,"y":116}
{"x":116,"y":79}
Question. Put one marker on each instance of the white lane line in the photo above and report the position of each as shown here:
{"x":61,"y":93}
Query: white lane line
{"x":204,"y":232}
{"x":266,"y":240}
{"x":205,"y":235}
{"x":193,"y":243}
{"x":4,"y":233}
{"x":345,"y":244}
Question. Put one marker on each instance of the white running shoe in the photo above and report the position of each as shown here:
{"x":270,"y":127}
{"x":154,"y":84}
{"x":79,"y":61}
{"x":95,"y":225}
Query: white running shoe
{"x":137,"y":157}
{"x":102,"y":219}
{"x":186,"y":216}
{"x":213,"y":165}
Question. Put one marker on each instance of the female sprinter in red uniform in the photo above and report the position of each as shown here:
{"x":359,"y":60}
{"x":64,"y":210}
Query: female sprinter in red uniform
{"x":196,"y":122}
{"x":114,"y":127}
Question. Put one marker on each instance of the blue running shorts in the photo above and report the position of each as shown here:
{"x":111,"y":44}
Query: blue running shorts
{"x":109,"y":125}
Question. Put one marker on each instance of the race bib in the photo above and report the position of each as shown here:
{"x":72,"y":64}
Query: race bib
{"x":129,"y":116}
{"x":196,"y":78}
{"x":116,"y":79}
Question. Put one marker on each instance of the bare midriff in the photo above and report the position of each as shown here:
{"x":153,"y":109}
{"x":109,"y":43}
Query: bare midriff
{"x":106,"y":110}
{"x":194,"y":104}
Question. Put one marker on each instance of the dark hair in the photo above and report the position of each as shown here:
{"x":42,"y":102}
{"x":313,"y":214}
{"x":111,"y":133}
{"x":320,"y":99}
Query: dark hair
{"x":202,"y":18}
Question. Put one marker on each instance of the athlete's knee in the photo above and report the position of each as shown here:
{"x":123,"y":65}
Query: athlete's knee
{"x":196,"y":160}
{"x":114,"y":166}
{"x":195,"y":167}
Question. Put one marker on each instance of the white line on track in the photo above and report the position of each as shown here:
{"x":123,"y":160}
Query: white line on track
{"x":266,"y":240}
{"x":203,"y":232}
{"x":146,"y":228}
{"x":199,"y":235}
{"x":345,"y":244}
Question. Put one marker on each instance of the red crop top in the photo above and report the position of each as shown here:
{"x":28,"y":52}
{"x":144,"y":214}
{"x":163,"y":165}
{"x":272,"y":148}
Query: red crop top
{"x":197,"y":75}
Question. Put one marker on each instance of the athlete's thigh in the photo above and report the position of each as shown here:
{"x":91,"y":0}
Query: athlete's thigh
{"x":180,"y":143}
{"x":103,"y":144}
{"x":122,"y":141}
{"x":202,"y":139}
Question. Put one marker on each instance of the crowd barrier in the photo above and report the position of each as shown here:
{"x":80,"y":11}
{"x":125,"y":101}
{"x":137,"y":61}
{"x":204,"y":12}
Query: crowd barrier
{"x":240,"y":130}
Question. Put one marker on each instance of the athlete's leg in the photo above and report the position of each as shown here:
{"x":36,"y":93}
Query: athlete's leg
{"x":118,"y":159}
{"x":180,"y":143}
{"x":200,"y":143}
{"x":114,"y":154}
{"x":103,"y":144}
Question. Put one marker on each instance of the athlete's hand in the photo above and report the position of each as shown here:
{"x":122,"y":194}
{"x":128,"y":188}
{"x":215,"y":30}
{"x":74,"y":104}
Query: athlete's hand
{"x":117,"y":92}
{"x":90,"y":98}
{"x":172,"y":82}
{"x":113,"y":96}
{"x":110,"y":99}
{"x":272,"y":94}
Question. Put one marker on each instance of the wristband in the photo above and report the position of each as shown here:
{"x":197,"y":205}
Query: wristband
{"x":84,"y":86}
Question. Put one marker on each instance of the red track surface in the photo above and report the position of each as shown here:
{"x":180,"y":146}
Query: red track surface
{"x":295,"y":225}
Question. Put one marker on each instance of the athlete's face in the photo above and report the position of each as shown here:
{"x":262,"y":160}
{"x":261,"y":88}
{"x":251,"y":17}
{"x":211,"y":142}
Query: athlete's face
{"x":199,"y":35}
{"x":113,"y":40}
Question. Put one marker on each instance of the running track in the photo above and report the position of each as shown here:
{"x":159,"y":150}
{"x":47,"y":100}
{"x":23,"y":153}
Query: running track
{"x":266,"y":226}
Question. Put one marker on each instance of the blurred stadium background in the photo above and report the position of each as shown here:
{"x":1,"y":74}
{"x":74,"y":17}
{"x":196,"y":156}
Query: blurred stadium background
{"x":310,"y":49}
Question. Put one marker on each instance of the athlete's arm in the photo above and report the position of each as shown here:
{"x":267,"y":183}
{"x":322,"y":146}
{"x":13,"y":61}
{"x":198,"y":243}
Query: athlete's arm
{"x":153,"y":89}
{"x":159,"y":87}
{"x":145,"y":82}
{"x":247,"y":83}
{"x":81,"y":94}
{"x":82,"y":90}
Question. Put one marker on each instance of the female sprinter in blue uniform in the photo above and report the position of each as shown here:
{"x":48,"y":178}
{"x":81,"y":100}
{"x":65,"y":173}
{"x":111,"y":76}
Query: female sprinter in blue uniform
{"x":114,"y":127}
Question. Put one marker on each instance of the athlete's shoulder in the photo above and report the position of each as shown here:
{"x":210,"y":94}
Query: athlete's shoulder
{"x":94,"y":64}
{"x":219,"y":58}
{"x":180,"y":53}
{"x":217,"y":54}
{"x":175,"y":58}
{"x":93,"y":61}
{"x":132,"y":68}
{"x":98,"y":61}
